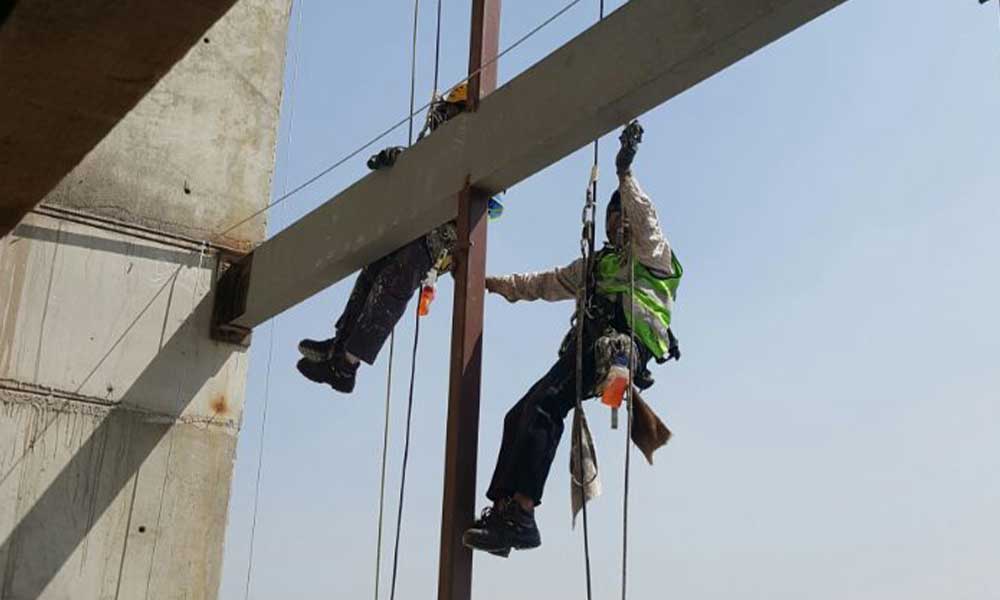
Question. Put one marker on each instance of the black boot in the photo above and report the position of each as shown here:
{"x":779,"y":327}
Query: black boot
{"x":503,"y":527}
{"x":317,"y":350}
{"x":385,"y":158}
{"x":337,"y":372}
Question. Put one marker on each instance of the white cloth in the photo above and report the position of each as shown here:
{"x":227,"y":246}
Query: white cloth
{"x":585,"y":483}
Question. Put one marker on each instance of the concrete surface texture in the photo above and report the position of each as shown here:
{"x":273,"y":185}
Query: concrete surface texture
{"x":71,"y":72}
{"x":118,"y":414}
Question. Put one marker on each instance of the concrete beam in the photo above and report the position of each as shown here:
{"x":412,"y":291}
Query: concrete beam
{"x":640,"y":56}
{"x":71,"y":72}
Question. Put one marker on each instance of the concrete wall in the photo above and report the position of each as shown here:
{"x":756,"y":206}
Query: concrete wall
{"x":118,"y":414}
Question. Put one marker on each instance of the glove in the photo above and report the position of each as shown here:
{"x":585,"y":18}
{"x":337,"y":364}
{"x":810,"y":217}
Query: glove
{"x":674,"y":351}
{"x":385,"y":158}
{"x":501,"y":287}
{"x":630,"y":139}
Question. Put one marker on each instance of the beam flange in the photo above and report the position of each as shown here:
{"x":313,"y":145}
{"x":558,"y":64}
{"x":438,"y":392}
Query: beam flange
{"x":638,"y":57}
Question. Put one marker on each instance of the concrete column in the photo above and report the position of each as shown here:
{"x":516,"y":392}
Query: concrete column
{"x":118,"y":413}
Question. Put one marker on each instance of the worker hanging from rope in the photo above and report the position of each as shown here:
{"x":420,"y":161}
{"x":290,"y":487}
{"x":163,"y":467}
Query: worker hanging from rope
{"x":533,"y":427}
{"x":384,"y":287}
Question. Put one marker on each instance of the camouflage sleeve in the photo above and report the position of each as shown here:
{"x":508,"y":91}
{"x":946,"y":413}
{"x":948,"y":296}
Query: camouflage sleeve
{"x":558,"y":284}
{"x":651,"y":246}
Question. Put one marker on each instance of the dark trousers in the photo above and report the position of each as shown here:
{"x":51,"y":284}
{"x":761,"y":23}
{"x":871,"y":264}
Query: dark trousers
{"x":533,"y":427}
{"x":379,"y":298}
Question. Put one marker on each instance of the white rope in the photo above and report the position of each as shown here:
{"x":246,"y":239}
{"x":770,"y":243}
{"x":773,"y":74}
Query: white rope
{"x":270,"y":347}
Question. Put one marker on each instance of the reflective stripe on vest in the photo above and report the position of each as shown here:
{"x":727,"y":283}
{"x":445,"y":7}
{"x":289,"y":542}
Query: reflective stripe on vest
{"x":654,"y":298}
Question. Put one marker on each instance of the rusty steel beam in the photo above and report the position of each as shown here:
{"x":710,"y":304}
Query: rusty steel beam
{"x":70,"y":72}
{"x":458,"y":505}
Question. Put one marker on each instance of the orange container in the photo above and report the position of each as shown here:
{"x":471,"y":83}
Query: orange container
{"x":426,"y":297}
{"x":614,"y":388}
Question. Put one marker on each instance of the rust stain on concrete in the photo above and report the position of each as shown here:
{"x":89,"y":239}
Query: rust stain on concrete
{"x":219,"y":405}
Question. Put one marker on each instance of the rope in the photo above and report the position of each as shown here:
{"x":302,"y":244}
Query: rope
{"x":270,"y":346}
{"x":260,"y":459}
{"x":437,"y":50}
{"x":406,"y":453}
{"x":628,"y":408}
{"x":587,"y":253}
{"x":385,"y":453}
{"x":392,"y":345}
{"x":413,"y":69}
{"x":398,"y":124}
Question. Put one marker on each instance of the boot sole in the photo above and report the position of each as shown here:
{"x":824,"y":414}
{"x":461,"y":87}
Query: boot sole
{"x":344,"y":389}
{"x":501,"y":552}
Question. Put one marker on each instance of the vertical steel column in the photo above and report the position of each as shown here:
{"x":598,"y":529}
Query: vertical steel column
{"x":459,"y":504}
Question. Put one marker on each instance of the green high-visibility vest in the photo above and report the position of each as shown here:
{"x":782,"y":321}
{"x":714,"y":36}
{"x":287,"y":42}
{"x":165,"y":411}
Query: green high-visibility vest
{"x":654,"y":297}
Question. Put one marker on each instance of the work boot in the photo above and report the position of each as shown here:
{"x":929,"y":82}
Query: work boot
{"x":503,"y":527}
{"x":385,"y":158}
{"x":317,"y":350}
{"x":337,"y":372}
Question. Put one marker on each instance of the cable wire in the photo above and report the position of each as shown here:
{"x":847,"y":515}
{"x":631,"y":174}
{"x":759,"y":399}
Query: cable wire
{"x":629,"y":406}
{"x":437,"y":50}
{"x":392,"y":344}
{"x":385,"y":454}
{"x":413,"y":69}
{"x":270,"y":347}
{"x":406,"y":454}
{"x":398,"y":124}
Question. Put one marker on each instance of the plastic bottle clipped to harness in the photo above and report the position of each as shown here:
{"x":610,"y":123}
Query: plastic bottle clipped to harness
{"x":428,"y":290}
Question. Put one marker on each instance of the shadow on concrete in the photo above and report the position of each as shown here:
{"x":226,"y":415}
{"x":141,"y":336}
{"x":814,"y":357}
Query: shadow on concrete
{"x":168,"y":284}
{"x":124,"y":247}
{"x":57,"y":523}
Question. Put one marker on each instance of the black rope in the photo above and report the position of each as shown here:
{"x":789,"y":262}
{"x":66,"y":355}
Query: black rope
{"x":406,"y":454}
{"x":437,"y":50}
{"x":629,"y":409}
{"x":416,"y":327}
{"x":385,"y":454}
{"x":587,"y":252}
{"x":413,"y":69}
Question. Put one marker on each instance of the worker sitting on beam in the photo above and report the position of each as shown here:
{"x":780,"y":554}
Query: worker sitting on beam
{"x":533,"y":427}
{"x":384,"y":287}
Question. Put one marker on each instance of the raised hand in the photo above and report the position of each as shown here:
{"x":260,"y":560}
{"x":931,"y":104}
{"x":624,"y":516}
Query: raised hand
{"x":630,"y":139}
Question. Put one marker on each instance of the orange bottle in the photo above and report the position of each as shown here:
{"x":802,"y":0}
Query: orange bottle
{"x":615,"y":383}
{"x":426,"y":297}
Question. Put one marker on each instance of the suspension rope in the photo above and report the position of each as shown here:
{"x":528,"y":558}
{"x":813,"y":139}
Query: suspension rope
{"x":385,"y":454}
{"x":629,"y":409}
{"x":260,"y":460}
{"x":416,"y":326}
{"x":406,"y":452}
{"x":583,"y":299}
{"x":413,"y":69}
{"x":437,"y":50}
{"x":298,"y":6}
{"x":308,"y":182}
{"x":392,"y":345}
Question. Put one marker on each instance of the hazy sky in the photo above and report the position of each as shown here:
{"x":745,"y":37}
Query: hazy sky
{"x":834,"y":200}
